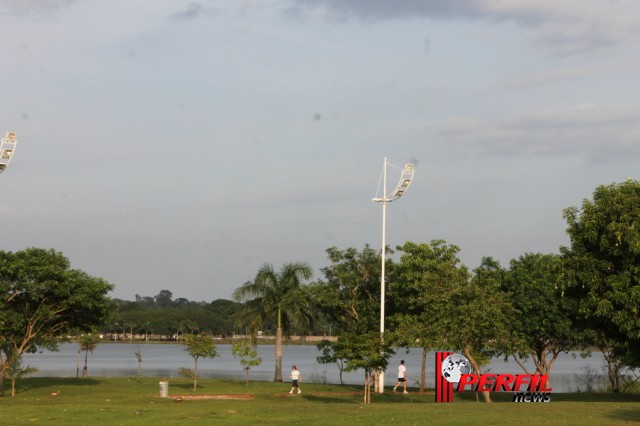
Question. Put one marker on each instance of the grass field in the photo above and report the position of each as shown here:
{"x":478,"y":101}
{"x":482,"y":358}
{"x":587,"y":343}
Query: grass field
{"x":122,"y":401}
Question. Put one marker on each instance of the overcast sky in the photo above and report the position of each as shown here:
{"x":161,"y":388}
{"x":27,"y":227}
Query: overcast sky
{"x":179,"y":145}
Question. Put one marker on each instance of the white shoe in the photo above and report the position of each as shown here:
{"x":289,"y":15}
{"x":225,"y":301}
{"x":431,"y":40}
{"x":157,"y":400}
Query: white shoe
{"x":406,"y":392}
{"x":394,"y":388}
{"x":299,"y":391}
{"x":291,"y":392}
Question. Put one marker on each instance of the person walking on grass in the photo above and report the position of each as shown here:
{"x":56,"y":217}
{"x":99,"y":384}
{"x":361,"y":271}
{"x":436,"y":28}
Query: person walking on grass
{"x":402,"y":377}
{"x":296,"y":378}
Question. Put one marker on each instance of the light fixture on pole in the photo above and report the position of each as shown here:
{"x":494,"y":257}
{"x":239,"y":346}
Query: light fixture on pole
{"x":405,"y":181}
{"x":7,"y":148}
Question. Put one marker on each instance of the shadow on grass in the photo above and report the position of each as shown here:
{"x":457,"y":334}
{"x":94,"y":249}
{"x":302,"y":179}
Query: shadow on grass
{"x":328,"y":399}
{"x":629,"y":415}
{"x":49,"y":382}
{"x":186,"y":386}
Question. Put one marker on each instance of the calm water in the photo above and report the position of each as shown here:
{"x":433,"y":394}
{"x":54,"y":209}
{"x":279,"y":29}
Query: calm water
{"x":163,"y":360}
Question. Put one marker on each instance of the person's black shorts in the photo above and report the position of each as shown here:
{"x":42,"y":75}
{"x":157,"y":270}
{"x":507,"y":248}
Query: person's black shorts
{"x":400,"y":379}
{"x":295,"y":384}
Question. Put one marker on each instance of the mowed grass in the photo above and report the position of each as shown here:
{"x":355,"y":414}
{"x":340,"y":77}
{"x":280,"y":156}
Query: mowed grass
{"x":122,"y":401}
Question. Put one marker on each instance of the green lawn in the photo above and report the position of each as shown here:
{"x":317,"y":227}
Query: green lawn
{"x":122,"y":401}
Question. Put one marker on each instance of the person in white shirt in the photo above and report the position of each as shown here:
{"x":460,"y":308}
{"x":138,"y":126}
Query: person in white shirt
{"x":296,"y":377}
{"x":402,"y":377}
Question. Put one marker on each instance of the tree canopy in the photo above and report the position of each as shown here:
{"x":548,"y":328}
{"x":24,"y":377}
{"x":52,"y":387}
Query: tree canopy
{"x":42,"y":298}
{"x":543,"y":324}
{"x":603,"y":264}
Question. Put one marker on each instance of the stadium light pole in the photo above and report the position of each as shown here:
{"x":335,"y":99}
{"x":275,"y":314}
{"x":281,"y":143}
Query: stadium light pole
{"x":7,"y":148}
{"x":405,"y":181}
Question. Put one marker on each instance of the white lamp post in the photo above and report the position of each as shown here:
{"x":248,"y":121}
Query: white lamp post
{"x":7,"y":148}
{"x":405,"y":181}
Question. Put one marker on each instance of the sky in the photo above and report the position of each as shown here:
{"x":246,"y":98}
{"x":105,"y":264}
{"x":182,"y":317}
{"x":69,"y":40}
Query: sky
{"x":181,"y":145}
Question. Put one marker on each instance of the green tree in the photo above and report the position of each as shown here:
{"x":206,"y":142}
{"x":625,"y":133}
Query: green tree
{"x":280,"y":294}
{"x":603,"y":267}
{"x":366,"y":351}
{"x":349,"y":296}
{"x":350,"y":293}
{"x":199,"y":346}
{"x":16,"y":371}
{"x":164,"y":299}
{"x":248,"y":355}
{"x":420,"y":291}
{"x":329,"y":356}
{"x":41,"y":298}
{"x":88,"y":343}
{"x":479,"y":315}
{"x":543,"y":325}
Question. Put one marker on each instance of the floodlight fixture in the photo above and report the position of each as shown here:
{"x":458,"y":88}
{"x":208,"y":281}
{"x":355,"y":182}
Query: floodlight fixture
{"x":7,"y":149}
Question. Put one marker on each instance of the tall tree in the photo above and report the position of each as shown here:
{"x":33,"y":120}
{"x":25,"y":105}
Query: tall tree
{"x":280,"y":294}
{"x":543,"y":326}
{"x":419,"y":293}
{"x":473,"y":316}
{"x":603,"y":266}
{"x":350,"y":297}
{"x":41,"y":298}
{"x":164,"y":299}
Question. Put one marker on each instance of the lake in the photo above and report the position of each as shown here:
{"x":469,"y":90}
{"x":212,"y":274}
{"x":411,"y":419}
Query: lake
{"x":163,"y":360}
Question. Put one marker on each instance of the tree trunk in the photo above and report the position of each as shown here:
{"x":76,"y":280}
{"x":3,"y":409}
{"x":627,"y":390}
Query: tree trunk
{"x":278,"y":375}
{"x":367,"y":386}
{"x":85,"y":370}
{"x":476,"y":368}
{"x":613,"y":371}
{"x":3,"y":367}
{"x":195,"y":375}
{"x":13,"y":387}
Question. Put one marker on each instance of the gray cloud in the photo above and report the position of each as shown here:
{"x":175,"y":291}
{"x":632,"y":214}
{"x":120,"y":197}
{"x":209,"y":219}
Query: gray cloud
{"x":34,"y":8}
{"x":383,"y":9}
{"x":191,"y":11}
{"x":557,"y":28}
{"x":598,"y":133}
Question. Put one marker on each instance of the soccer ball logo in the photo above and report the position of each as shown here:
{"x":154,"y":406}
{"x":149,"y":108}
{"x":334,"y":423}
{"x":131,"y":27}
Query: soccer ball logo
{"x":454,"y":366}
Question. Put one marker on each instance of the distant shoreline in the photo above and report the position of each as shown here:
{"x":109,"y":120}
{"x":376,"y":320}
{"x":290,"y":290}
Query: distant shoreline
{"x":264,"y":340}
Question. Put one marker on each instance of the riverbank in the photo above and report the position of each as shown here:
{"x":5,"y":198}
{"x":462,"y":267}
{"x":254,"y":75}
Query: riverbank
{"x":570,"y":373}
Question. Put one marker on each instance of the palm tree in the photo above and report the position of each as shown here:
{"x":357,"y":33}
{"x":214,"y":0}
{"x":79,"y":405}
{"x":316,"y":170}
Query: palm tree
{"x":276,"y":293}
